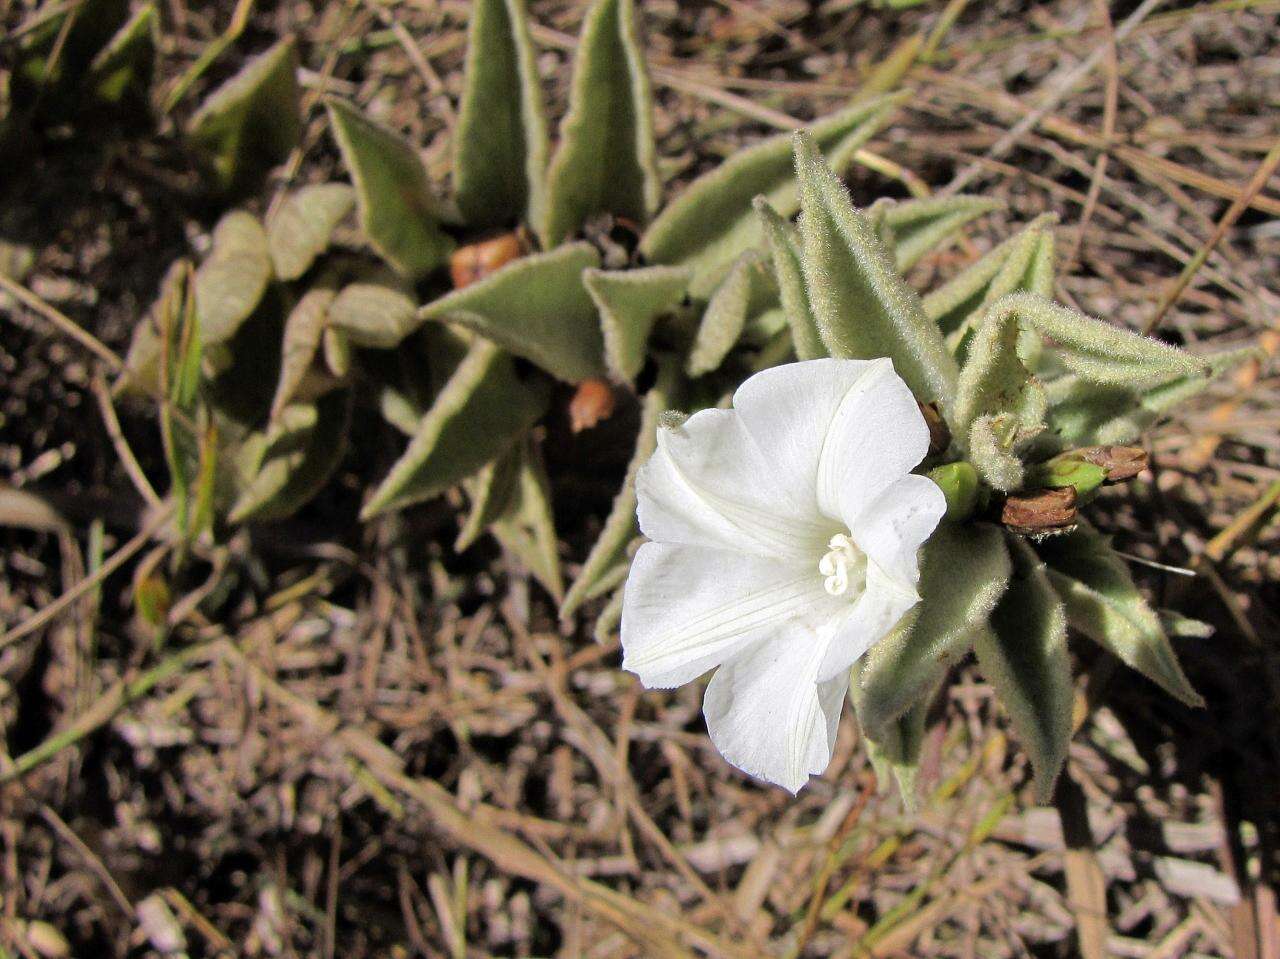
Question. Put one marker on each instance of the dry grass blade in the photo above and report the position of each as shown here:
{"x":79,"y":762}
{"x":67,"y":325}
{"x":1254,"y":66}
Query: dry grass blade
{"x":473,"y":830}
{"x":63,"y":323}
{"x":1251,"y":189}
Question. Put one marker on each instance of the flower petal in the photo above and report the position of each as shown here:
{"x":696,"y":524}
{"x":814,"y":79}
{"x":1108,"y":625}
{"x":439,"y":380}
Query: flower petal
{"x":709,"y":484}
{"x":836,"y":431}
{"x":892,"y":528}
{"x":686,"y":609}
{"x":890,"y":531}
{"x":876,"y":437}
{"x":769,"y":717}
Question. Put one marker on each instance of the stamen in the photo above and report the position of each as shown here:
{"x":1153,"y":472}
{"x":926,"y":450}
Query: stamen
{"x":835,"y":564}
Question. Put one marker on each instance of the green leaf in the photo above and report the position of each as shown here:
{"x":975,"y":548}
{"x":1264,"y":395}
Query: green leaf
{"x":621,"y":527}
{"x":864,"y":308}
{"x":229,"y":284}
{"x":377,"y":312}
{"x":994,"y":382}
{"x":1024,"y":656}
{"x":336,"y":346}
{"x":788,"y":271}
{"x":748,"y":290}
{"x":1160,"y":399}
{"x":906,"y":665}
{"x":397,"y":210}
{"x":710,"y":224}
{"x":894,"y":749}
{"x":500,"y":142}
{"x":1097,"y":351}
{"x":491,"y":492}
{"x":527,"y":527}
{"x":303,"y":329}
{"x":1103,"y":603}
{"x":300,"y":229}
{"x":918,"y":226}
{"x":482,"y":409}
{"x":1083,"y":413}
{"x":630,"y":303}
{"x":606,"y":161}
{"x":251,"y":122}
{"x":537,"y":307}
{"x":991,"y":441}
{"x":125,"y":67}
{"x":609,"y":619}
{"x":299,"y":454}
{"x":1022,"y":262}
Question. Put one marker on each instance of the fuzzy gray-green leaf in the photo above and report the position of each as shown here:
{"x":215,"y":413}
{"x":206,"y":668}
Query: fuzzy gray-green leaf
{"x":1024,"y":656}
{"x":788,"y":271}
{"x":252,"y":121}
{"x":1103,"y":603}
{"x":299,"y":231}
{"x":1083,"y":413}
{"x":746,"y":291}
{"x":377,"y":312}
{"x":491,"y":491}
{"x":296,"y":463}
{"x":994,"y":381}
{"x":919,"y":226}
{"x":1022,"y":262}
{"x":864,"y":308}
{"x":909,"y":662}
{"x":1098,"y":351}
{"x":527,"y":527}
{"x":537,"y":307}
{"x":991,"y":441}
{"x":398,"y":212}
{"x":303,"y":330}
{"x":894,"y":748}
{"x":230,"y":283}
{"x":711,"y":223}
{"x":500,"y":142}
{"x":125,"y":67}
{"x":630,"y":302}
{"x":482,"y":409}
{"x":621,"y":527}
{"x":606,"y":161}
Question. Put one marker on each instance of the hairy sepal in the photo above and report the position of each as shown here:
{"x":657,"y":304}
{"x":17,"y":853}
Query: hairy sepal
{"x":630,"y":303}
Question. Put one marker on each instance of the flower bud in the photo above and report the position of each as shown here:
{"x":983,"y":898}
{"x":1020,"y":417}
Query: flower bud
{"x":959,"y":484}
{"x":1119,"y":462}
{"x":1066,"y":470}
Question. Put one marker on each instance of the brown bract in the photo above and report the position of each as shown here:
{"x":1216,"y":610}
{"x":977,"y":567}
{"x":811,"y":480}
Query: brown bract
{"x":1041,"y":511}
{"x":593,"y":403}
{"x":1120,"y":462}
{"x":475,"y":262}
{"x":939,"y":434}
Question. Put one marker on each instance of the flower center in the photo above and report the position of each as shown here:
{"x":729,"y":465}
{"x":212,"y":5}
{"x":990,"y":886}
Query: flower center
{"x":841,"y":564}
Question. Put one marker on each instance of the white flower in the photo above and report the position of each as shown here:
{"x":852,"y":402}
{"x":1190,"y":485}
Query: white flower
{"x":784,"y":535}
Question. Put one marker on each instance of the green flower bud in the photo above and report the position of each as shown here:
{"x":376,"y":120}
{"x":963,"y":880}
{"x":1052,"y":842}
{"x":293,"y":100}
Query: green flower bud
{"x":959,"y":484}
{"x":1066,"y":470}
